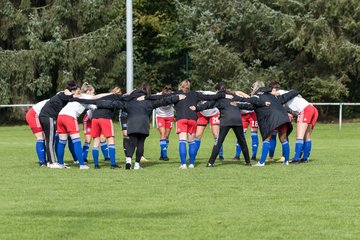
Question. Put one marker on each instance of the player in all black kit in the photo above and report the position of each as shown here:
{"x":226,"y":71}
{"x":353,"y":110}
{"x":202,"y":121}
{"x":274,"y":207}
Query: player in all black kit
{"x":230,"y":118}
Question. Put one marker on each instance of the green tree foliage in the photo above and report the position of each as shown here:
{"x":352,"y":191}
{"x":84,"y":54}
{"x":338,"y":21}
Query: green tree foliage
{"x":309,"y":45}
{"x":312,"y":46}
{"x":62,"y":39}
{"x":160,"y":50}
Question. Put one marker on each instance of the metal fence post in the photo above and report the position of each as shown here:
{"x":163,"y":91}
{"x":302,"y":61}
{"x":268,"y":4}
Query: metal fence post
{"x":340,"y":115}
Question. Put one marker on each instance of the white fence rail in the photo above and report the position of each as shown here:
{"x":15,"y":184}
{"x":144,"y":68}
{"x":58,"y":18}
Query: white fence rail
{"x":316,"y":104}
{"x":340,"y":108}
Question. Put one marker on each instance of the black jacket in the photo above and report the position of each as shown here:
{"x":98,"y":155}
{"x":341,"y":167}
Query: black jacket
{"x":105,"y":112}
{"x":54,"y":105}
{"x":229,"y":115}
{"x":139,"y":112}
{"x":192,"y":98}
{"x":273,"y":116}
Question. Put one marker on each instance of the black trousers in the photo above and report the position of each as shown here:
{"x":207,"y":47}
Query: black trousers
{"x":238,"y":130}
{"x":49,"y":126}
{"x":136,"y":141}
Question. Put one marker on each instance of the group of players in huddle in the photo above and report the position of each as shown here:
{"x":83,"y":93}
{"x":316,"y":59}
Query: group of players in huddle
{"x":54,"y":122}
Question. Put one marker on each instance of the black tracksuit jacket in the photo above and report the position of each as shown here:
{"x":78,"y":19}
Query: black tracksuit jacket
{"x":273,"y":116}
{"x":139,"y":112}
{"x":54,"y":105}
{"x":192,"y":98}
{"x":229,"y":115}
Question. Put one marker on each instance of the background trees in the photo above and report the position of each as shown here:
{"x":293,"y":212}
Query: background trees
{"x":312,"y":46}
{"x":308,"y":45}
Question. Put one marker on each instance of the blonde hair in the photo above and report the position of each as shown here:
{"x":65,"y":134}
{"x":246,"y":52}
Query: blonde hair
{"x":256,"y":85}
{"x":184,"y":86}
{"x":116,"y":90}
{"x":86,"y":87}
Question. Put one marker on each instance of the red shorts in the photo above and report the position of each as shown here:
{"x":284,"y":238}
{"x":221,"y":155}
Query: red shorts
{"x":87,"y":124}
{"x":33,"y":121}
{"x":102,"y":126}
{"x":309,"y":115}
{"x":166,"y":122}
{"x":282,"y":128}
{"x":67,"y":124}
{"x":203,"y":120}
{"x":186,"y":125}
{"x":249,"y":119}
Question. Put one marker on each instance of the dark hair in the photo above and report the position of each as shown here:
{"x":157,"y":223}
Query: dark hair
{"x":220,"y":87}
{"x":274,"y":84}
{"x":167,"y":89}
{"x":146,"y":87}
{"x":71,"y":85}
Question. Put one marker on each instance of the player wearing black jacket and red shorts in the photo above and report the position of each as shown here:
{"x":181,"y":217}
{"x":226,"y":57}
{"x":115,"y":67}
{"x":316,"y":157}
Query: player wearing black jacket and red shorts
{"x":102,"y":125}
{"x":186,"y":121}
{"x":272,"y":117}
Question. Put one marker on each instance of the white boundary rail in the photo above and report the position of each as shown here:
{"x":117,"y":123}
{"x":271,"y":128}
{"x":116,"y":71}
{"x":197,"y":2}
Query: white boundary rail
{"x":315,"y":104}
{"x":340,"y":108}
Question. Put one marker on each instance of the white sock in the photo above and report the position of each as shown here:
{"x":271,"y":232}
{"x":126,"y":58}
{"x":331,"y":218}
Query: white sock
{"x":128,"y":160}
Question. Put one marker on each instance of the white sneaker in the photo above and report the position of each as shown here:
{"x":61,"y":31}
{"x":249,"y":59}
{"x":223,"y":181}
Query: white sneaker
{"x":137,"y":167}
{"x":286,"y":163}
{"x":76,"y":162}
{"x":258,"y":164}
{"x":84,"y":167}
{"x":55,"y":165}
{"x":191,"y":166}
{"x":143,"y":159}
{"x":63,"y":166}
{"x":183,"y":166}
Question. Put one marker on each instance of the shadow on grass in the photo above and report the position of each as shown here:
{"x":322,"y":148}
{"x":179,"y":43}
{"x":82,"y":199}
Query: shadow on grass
{"x":172,"y":162}
{"x":123,"y":213}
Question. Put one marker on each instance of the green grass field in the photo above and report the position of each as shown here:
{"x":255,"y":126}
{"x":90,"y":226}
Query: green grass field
{"x":318,"y":200}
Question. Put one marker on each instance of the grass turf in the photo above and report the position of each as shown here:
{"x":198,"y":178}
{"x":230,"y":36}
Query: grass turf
{"x":318,"y":200}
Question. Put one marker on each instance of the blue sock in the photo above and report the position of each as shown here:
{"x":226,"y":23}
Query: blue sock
{"x":237,"y":149}
{"x":104,"y":149}
{"x":182,"y":151}
{"x":72,"y":149}
{"x":112,"y":154}
{"x":85,"y":150}
{"x":307,"y":149}
{"x":298,"y":149}
{"x":95,"y":153}
{"x":192,"y":152}
{"x":78,"y":150}
{"x":286,"y":150}
{"x":40,"y":151}
{"x":255,"y":143}
{"x":272,"y":145}
{"x":221,"y":152}
{"x":167,"y":143}
{"x":60,"y":151}
{"x":264,"y":151}
{"x":56,"y":142}
{"x":197,"y":143}
{"x":163,"y":149}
